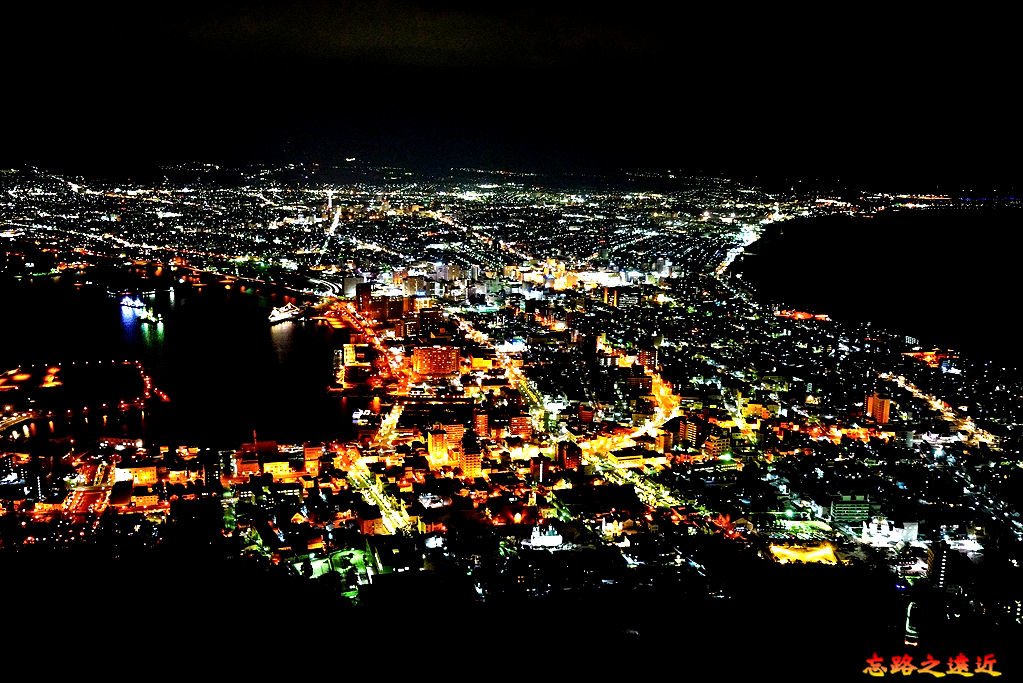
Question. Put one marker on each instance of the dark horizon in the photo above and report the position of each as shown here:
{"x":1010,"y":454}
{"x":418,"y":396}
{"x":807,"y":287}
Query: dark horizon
{"x":873,"y":97}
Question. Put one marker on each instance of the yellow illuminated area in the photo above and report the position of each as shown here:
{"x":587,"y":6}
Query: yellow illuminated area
{"x":931,"y":358}
{"x":51,"y":379}
{"x":822,"y":554}
{"x":802,"y":315}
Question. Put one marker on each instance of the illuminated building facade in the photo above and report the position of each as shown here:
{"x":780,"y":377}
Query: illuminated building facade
{"x":363,"y":296}
{"x":435,"y":360}
{"x":431,"y":319}
{"x":522,"y":426}
{"x":850,"y":509}
{"x":632,"y":456}
{"x":687,"y":431}
{"x":140,"y":473}
{"x":414,"y":284}
{"x":538,"y":468}
{"x":877,"y":406}
{"x":144,"y":496}
{"x":717,"y":443}
{"x":389,"y":307}
{"x":311,"y":455}
{"x":356,"y":355}
{"x":647,"y":358}
{"x":453,"y":434}
{"x":212,"y":468}
{"x":339,"y":366}
{"x":481,"y":359}
{"x":639,"y":383}
{"x":570,"y":455}
{"x":622,"y":297}
{"x":408,"y":326}
{"x":470,"y":458}
{"x":939,"y":555}
{"x":437,"y":444}
{"x":277,"y":468}
{"x":481,"y":423}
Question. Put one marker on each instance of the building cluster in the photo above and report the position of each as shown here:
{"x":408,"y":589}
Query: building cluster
{"x":571,"y":393}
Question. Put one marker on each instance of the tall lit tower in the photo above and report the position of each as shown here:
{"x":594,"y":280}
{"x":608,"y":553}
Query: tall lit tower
{"x":469,"y":459}
{"x":437,"y":445}
{"x":877,"y":406}
{"x":938,"y":557}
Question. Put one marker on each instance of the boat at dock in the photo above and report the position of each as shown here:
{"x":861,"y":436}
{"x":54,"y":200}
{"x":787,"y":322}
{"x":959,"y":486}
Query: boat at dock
{"x":288,"y":311}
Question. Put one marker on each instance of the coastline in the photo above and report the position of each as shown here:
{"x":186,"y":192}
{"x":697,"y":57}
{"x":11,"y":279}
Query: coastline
{"x":929,"y":275}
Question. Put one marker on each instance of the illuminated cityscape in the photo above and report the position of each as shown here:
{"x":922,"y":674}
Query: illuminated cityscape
{"x":564,"y":391}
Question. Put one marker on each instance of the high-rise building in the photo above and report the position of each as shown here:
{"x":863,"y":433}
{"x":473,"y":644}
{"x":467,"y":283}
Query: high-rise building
{"x":570,"y":455}
{"x":453,"y":434}
{"x":408,"y":326}
{"x":481,"y":423}
{"x":431,"y":319}
{"x":687,"y":431}
{"x":339,"y":366}
{"x":586,"y":413}
{"x":435,"y":360}
{"x":717,"y":443}
{"x":414,"y":284}
{"x":629,"y":297}
{"x":639,"y":384}
{"x":349,"y":283}
{"x":939,"y":556}
{"x":539,"y":468}
{"x":437,"y":444}
{"x":363,"y":296}
{"x":388,"y":307}
{"x":312,"y":453}
{"x":212,"y":467}
{"x":647,"y":358}
{"x":877,"y":406}
{"x":449,"y":271}
{"x":622,"y":297}
{"x":521,"y":425}
{"x":470,"y":457}
{"x":664,"y":441}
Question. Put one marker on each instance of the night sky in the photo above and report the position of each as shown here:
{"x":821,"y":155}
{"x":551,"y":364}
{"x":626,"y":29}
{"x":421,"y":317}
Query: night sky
{"x":868,"y":93}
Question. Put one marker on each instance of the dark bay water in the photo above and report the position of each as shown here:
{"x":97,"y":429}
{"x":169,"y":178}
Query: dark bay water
{"x":946,"y":277}
{"x":226,"y":370}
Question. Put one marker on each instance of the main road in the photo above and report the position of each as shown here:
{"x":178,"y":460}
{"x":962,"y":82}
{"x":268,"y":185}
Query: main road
{"x":391,"y":511}
{"x":12,"y":421}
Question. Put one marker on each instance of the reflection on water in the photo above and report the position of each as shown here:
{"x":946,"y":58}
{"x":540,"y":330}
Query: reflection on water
{"x":130,"y":323}
{"x":226,"y":369}
{"x":152,"y":335}
{"x":76,"y":423}
{"x":281,"y":336}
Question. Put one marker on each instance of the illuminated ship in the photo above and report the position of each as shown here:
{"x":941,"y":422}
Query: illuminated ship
{"x":288,"y":311}
{"x":147,"y":315}
{"x":132,"y":302}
